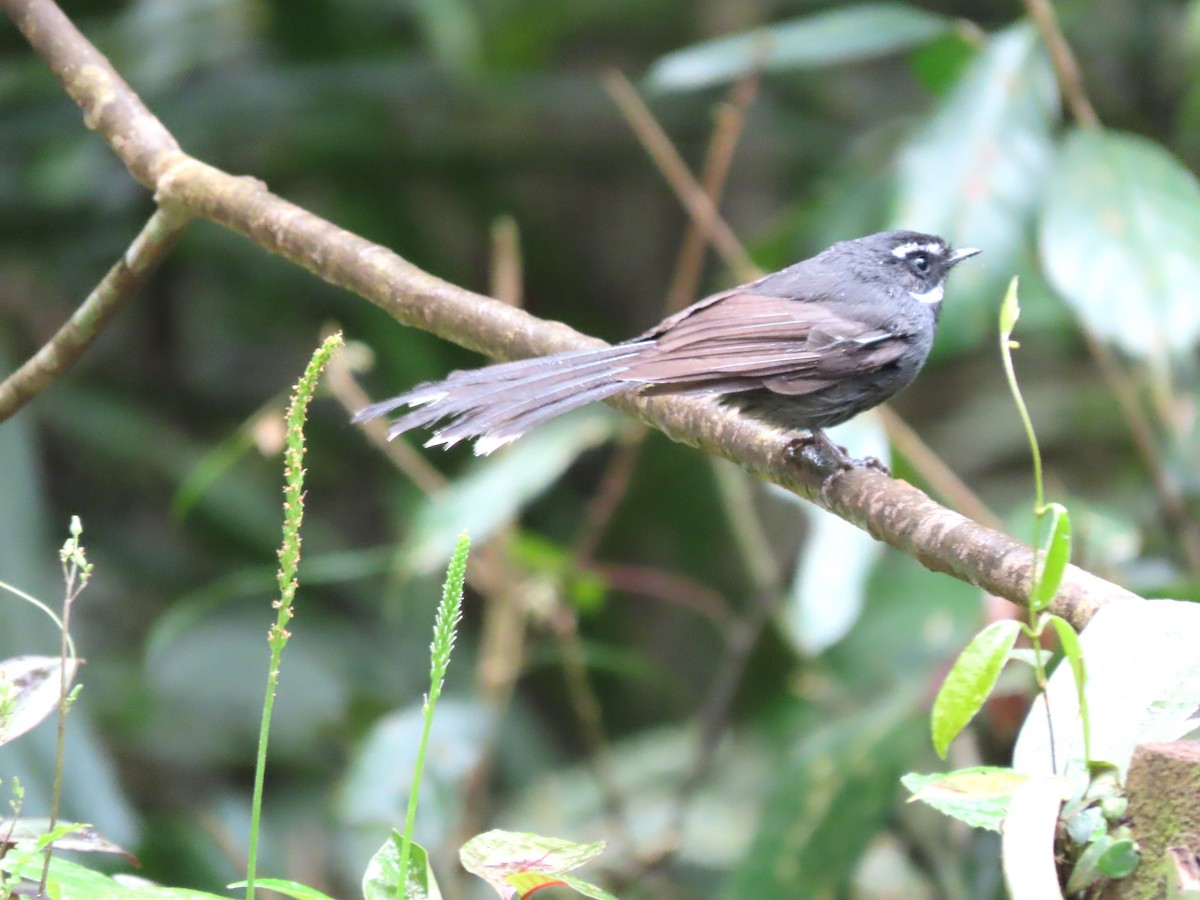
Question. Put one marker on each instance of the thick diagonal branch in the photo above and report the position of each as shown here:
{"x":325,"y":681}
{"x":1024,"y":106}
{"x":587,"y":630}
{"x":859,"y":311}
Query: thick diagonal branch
{"x":890,"y":510}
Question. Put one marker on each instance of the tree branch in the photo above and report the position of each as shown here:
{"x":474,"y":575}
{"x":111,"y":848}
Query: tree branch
{"x":891,"y":511}
{"x":122,"y":281}
{"x":1070,"y":80}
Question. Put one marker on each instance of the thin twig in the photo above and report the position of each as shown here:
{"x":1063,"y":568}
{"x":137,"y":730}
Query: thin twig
{"x":672,"y":589}
{"x":123,"y":281}
{"x":727,"y":131}
{"x":689,"y":191}
{"x":507,"y":278}
{"x":1070,"y":80}
{"x":607,"y":498}
{"x":339,"y":379}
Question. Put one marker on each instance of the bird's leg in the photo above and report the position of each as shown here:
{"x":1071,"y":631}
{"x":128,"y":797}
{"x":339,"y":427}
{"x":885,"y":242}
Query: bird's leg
{"x":818,"y":439}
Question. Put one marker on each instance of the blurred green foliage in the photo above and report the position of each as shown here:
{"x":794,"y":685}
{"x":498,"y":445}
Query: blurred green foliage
{"x":417,"y":124}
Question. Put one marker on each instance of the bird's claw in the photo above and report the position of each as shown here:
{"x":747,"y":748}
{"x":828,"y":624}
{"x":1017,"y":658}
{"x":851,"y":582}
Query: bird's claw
{"x":818,"y":450}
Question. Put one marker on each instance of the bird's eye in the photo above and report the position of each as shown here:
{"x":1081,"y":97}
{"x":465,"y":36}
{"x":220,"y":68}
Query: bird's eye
{"x":920,"y":262}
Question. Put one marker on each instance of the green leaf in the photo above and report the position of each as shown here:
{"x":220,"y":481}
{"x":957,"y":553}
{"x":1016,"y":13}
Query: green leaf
{"x":827,"y":802}
{"x":849,"y":33}
{"x":1073,"y":653}
{"x":978,"y":796}
{"x":975,"y":172}
{"x":71,"y":881}
{"x":1054,"y":560}
{"x":292,"y":889}
{"x":495,"y":490}
{"x":586,"y":888}
{"x":381,"y":880}
{"x":1120,"y":240}
{"x":1086,"y":872}
{"x":1119,"y":859}
{"x":1010,"y":311}
{"x":970,"y":681}
{"x":499,"y":856}
{"x":525,"y":883}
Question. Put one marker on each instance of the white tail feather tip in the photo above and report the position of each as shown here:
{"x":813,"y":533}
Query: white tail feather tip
{"x":485,"y":445}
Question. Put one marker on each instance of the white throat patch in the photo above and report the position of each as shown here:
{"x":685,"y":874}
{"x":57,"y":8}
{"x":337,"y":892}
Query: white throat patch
{"x":931,"y":296}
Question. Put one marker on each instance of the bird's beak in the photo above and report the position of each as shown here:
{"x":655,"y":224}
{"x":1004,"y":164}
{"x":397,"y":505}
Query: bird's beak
{"x":960,"y":255}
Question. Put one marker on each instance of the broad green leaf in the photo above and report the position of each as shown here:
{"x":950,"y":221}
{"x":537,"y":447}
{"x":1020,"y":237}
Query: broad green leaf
{"x":586,"y":888}
{"x":1120,"y":241}
{"x":1054,"y":560}
{"x":849,"y":33}
{"x":30,"y":688}
{"x":1086,"y":872}
{"x":827,"y":801}
{"x":525,"y":883}
{"x":71,"y":881}
{"x":1119,"y":859}
{"x":978,"y":796}
{"x":381,"y":880}
{"x":497,"y":856}
{"x":1143,"y":684}
{"x":970,"y":681}
{"x":499,"y":486}
{"x":975,"y":171}
{"x":1073,"y":652}
{"x":1027,"y":839}
{"x":292,"y":889}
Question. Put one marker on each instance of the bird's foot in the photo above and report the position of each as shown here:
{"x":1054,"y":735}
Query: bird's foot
{"x":817,"y":449}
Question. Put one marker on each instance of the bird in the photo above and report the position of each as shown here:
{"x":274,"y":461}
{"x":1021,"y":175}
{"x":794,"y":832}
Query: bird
{"x":803,"y":349}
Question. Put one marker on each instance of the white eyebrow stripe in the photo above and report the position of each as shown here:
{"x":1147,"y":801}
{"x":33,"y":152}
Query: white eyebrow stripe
{"x":924,"y":246}
{"x":931,"y":296}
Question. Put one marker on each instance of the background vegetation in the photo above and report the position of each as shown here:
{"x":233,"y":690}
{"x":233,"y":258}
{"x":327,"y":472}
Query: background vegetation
{"x":679,"y":676}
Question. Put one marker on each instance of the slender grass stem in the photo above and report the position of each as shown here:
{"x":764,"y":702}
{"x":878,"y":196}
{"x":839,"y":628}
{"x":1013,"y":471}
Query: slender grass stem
{"x":289,"y":561}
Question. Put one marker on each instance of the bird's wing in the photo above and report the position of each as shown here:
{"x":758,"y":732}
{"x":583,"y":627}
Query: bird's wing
{"x":749,"y":339}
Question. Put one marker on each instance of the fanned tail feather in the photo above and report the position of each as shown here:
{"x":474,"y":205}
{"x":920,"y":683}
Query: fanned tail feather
{"x":497,"y":404}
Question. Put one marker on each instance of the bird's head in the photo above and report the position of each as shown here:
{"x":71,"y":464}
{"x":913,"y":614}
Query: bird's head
{"x":918,"y":263}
